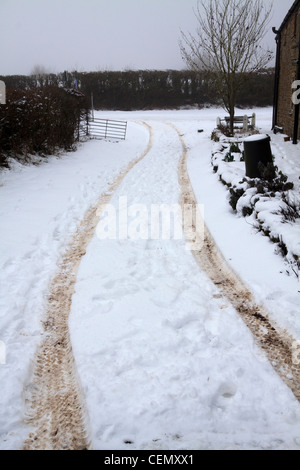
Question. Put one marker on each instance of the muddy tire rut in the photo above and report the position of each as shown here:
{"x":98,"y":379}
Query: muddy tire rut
{"x":55,"y":403}
{"x":273,"y":340}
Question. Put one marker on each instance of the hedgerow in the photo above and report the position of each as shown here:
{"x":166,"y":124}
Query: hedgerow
{"x":38,"y":122}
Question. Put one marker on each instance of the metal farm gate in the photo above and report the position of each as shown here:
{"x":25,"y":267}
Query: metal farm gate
{"x":103,"y":129}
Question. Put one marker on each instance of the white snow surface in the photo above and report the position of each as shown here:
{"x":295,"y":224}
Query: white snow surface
{"x":163,"y":359}
{"x":41,"y":207}
{"x":256,"y":137}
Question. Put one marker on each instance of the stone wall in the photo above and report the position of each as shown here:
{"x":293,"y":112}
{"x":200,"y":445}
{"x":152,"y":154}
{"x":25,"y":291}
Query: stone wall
{"x":288,"y":73}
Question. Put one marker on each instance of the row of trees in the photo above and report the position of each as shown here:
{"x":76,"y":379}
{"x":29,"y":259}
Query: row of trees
{"x":168,"y":89}
{"x":151,"y":89}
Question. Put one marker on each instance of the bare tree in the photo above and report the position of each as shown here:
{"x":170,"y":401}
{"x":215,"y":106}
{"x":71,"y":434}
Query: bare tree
{"x":227,"y":44}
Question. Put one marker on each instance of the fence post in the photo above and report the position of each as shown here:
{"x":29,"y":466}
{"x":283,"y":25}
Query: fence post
{"x":87,"y":123}
{"x":2,"y":92}
{"x":78,"y":128}
{"x":92,"y":104}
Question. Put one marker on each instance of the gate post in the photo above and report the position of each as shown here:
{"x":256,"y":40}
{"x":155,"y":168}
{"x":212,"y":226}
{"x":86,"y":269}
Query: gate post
{"x":87,"y":123}
{"x":106,"y":128}
{"x":2,"y":92}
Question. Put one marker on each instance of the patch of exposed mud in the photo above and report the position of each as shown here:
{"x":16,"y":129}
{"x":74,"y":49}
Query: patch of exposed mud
{"x":273,"y":340}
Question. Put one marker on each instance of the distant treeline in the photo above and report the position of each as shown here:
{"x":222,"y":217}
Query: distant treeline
{"x":134,"y":90}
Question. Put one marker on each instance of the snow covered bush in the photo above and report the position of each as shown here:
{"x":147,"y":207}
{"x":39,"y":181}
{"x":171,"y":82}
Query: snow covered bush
{"x":271,"y":203}
{"x":38,"y":122}
{"x":291,"y":210}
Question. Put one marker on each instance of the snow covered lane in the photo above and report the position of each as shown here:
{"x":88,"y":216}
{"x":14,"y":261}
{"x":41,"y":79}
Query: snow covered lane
{"x":41,"y":207}
{"x":164,"y":360}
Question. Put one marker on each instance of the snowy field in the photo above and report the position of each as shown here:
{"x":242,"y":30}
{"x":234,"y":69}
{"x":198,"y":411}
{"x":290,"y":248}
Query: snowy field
{"x":164,"y":361}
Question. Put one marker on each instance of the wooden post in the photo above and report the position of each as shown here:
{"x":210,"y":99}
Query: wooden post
{"x":87,"y":123}
{"x":2,"y":92}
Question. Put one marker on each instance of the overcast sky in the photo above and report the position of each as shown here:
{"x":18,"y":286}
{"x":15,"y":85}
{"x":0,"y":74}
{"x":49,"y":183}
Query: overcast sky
{"x":91,"y":35}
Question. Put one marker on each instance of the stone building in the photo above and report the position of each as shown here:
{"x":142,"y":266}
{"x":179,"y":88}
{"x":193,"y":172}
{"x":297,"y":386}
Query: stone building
{"x":286,"y":109}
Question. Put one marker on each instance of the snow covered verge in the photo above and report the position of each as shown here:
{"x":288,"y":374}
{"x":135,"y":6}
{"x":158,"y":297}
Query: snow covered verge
{"x":41,"y":207}
{"x":271,"y":206}
{"x":165,"y":362}
{"x":163,"y":359}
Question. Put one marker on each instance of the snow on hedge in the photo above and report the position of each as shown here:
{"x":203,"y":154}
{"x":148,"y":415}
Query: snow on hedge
{"x":272,"y":206}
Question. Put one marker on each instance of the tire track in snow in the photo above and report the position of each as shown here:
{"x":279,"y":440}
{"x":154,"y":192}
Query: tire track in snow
{"x":277,"y":343}
{"x":54,"y":398}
